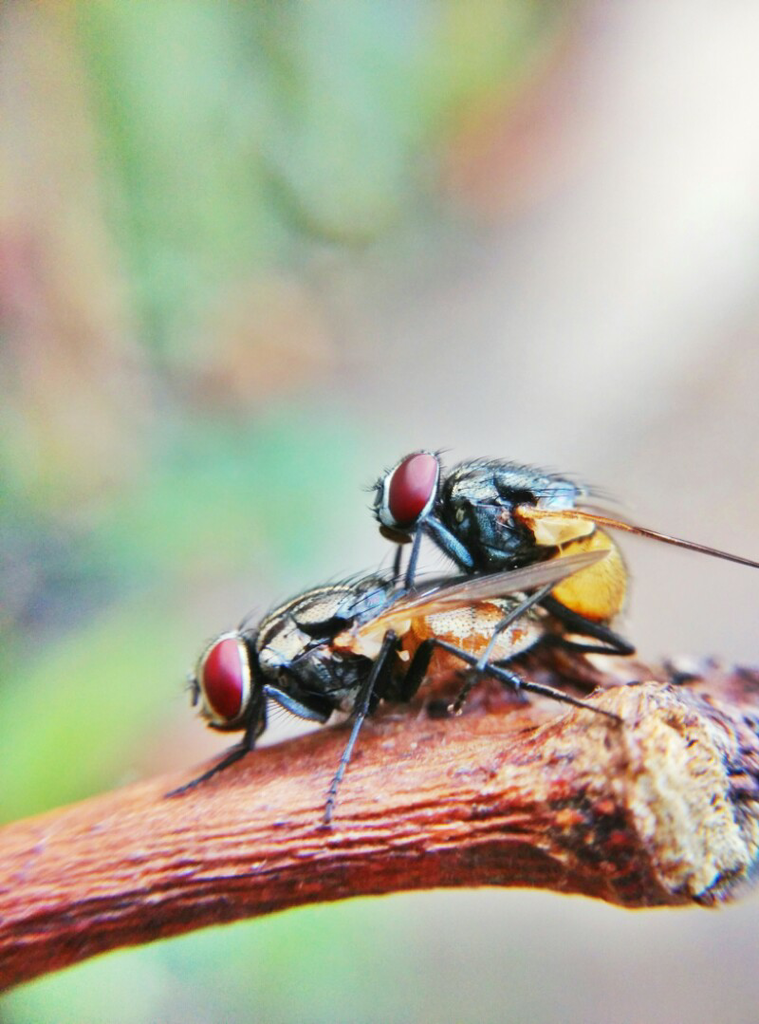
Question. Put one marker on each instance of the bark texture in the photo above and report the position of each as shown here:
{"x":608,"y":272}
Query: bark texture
{"x":660,"y":810}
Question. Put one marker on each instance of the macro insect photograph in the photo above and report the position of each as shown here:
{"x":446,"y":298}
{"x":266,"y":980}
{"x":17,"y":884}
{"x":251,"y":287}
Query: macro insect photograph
{"x":378,"y":576}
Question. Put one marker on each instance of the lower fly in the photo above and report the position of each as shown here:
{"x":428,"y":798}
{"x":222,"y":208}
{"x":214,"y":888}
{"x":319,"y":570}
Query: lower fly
{"x":348,"y":646}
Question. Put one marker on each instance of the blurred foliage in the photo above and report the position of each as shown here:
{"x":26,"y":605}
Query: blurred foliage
{"x":241,"y":133}
{"x":176,"y":983}
{"x":175,"y":177}
{"x":203,"y":515}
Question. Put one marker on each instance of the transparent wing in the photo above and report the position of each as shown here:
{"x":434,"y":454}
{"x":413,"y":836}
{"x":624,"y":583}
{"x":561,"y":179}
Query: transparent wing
{"x":470,"y":589}
{"x":551,"y":519}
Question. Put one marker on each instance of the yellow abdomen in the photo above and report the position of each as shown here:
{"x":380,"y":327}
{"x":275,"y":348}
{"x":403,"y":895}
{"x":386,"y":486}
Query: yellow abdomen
{"x":598,"y":592}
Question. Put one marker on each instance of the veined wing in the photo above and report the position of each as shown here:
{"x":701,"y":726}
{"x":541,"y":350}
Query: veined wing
{"x":551,"y":526}
{"x":472,"y":589}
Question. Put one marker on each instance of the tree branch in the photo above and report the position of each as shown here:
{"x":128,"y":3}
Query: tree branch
{"x":661,"y":810}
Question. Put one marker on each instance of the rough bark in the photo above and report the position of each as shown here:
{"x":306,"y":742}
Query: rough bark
{"x":658,"y":811}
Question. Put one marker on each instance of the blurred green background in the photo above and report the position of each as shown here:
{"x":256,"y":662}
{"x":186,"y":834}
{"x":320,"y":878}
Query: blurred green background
{"x":250,"y":254}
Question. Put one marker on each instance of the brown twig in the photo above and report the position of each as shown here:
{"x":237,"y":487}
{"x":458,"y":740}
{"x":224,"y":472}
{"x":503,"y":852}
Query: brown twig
{"x":661,"y":810}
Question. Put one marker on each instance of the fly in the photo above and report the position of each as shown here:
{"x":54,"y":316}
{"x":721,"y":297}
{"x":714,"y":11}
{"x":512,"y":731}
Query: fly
{"x":490,"y":515}
{"x":348,"y":646}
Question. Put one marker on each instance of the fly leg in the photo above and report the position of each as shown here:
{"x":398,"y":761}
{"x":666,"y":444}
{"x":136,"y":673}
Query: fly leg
{"x":363,"y":702}
{"x":445,"y":540}
{"x":413,"y":558}
{"x":397,"y":562}
{"x":417,"y":670}
{"x":253,"y":730}
{"x":610,"y":642}
{"x":515,"y":682}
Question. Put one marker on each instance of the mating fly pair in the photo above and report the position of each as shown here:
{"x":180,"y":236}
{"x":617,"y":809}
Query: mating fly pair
{"x":538,"y":564}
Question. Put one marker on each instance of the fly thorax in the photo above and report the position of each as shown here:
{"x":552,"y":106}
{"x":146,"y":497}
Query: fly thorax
{"x":478,"y":511}
{"x":281,"y":646}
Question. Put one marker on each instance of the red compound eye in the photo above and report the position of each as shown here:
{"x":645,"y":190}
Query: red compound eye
{"x":412,"y":487}
{"x":224,"y":678}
